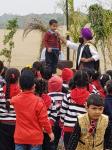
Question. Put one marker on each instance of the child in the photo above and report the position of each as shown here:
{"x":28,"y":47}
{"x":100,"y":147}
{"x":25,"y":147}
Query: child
{"x":92,"y":130}
{"x":108,"y":101}
{"x":31,"y":116}
{"x":7,"y":113}
{"x":74,"y":104}
{"x":103,"y":79}
{"x":55,"y":92}
{"x":52,"y":44}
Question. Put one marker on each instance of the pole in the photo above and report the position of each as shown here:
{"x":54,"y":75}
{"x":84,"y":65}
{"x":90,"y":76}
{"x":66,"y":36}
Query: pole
{"x":67,"y":25}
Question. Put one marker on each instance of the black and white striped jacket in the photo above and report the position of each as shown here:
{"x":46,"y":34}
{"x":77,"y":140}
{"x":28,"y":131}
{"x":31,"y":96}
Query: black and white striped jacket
{"x":4,"y":114}
{"x":56,"y":104}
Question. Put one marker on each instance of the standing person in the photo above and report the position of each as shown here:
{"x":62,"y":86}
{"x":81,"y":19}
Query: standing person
{"x":52,"y":45}
{"x":31,"y":116}
{"x":74,"y":104}
{"x":55,"y":92}
{"x":7,"y":113}
{"x":92,"y":130}
{"x":87,"y":55}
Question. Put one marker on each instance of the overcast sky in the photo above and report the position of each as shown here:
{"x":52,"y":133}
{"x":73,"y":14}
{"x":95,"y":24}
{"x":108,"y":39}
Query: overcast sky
{"x":24,"y":7}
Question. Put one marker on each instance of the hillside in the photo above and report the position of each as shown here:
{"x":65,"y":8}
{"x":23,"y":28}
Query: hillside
{"x":22,"y":20}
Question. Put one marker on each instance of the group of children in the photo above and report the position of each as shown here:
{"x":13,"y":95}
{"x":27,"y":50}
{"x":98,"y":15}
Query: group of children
{"x":37,"y":109}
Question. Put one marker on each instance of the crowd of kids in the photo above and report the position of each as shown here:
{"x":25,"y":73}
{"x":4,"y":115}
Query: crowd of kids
{"x":39,"y":109}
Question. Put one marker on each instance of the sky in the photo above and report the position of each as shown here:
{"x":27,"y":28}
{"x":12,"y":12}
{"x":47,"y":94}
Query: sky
{"x":23,"y":7}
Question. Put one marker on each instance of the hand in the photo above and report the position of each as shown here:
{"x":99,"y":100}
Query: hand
{"x":84,"y":60}
{"x":51,"y":135}
{"x":49,"y":50}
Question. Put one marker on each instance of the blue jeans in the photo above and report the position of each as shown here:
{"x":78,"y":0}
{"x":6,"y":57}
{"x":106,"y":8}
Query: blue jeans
{"x":27,"y":147}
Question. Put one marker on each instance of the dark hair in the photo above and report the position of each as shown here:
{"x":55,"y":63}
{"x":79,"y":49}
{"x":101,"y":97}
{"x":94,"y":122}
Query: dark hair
{"x":103,"y":79}
{"x":1,"y":66}
{"x":89,"y":72}
{"x":36,"y":65}
{"x":41,"y":87}
{"x":12,"y":75}
{"x":109,"y":87}
{"x":109,"y":72}
{"x":4,"y":71}
{"x":52,"y":21}
{"x":96,"y":100}
{"x":80,"y":79}
{"x":95,"y":75}
{"x":46,"y":72}
{"x":26,"y":80}
{"x":24,"y":69}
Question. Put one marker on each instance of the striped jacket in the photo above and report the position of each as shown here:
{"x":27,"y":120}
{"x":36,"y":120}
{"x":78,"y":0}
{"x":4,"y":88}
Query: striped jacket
{"x":4,"y":114}
{"x":56,"y":104}
{"x":71,"y":109}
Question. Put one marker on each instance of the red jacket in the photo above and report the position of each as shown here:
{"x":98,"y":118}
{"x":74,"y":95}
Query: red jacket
{"x":51,"y":40}
{"x":31,"y":119}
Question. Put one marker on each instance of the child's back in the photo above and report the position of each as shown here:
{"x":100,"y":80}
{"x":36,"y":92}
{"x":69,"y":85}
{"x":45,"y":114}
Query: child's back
{"x":31,"y":117}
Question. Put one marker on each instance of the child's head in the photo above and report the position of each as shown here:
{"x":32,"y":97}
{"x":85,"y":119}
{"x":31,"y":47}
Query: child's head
{"x":1,"y":67}
{"x":53,"y":24}
{"x":109,"y":72}
{"x":36,"y":65}
{"x":55,"y":84}
{"x":67,"y":75}
{"x":109,"y":87}
{"x":95,"y":106}
{"x":46,"y":72}
{"x":12,"y":75}
{"x":103,"y":79}
{"x":79,"y":80}
{"x":40,"y":87}
{"x":95,"y":75}
{"x":27,"y":80}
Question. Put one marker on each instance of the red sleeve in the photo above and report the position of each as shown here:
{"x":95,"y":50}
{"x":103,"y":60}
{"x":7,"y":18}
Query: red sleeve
{"x":43,"y":117}
{"x":45,"y":40}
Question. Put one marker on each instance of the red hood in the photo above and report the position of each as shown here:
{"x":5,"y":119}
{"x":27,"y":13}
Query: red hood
{"x":79,"y":95}
{"x":97,"y":84}
{"x":47,"y":100}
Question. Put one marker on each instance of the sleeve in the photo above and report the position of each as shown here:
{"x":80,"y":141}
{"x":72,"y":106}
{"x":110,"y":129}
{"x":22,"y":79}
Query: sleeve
{"x":108,"y":137}
{"x":94,"y":53}
{"x":72,"y":45}
{"x":12,"y":101}
{"x":45,"y":40}
{"x":64,"y":109}
{"x":75,"y":137}
{"x":43,"y":117}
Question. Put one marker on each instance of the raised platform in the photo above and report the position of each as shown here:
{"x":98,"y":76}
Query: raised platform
{"x":62,"y":64}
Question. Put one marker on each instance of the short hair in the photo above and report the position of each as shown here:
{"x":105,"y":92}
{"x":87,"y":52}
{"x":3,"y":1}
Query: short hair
{"x":103,"y":79}
{"x":80,"y":79}
{"x":46,"y":72}
{"x":96,"y":100}
{"x":52,"y":21}
{"x":26,"y":80}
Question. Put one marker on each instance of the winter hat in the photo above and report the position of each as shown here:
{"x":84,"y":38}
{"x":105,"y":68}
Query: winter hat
{"x":67,"y":74}
{"x":55,"y":84}
{"x":26,"y":80}
{"x":86,"y":33}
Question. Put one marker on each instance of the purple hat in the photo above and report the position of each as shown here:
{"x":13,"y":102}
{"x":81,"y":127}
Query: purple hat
{"x":86,"y":33}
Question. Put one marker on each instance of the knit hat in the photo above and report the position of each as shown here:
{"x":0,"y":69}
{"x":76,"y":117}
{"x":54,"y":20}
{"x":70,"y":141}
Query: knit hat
{"x":67,"y":74}
{"x":86,"y":33}
{"x":26,"y":80}
{"x":55,"y":84}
